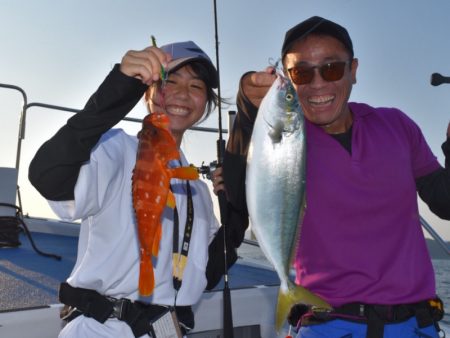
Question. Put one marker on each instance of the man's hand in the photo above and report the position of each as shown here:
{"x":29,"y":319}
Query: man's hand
{"x":256,"y":85}
{"x":296,"y":313}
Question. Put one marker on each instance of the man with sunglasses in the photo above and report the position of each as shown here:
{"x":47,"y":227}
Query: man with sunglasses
{"x":361,"y":246}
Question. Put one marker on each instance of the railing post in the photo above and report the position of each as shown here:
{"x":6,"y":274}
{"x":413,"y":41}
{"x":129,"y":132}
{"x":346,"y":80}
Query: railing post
{"x":21,"y":121}
{"x":435,"y":235}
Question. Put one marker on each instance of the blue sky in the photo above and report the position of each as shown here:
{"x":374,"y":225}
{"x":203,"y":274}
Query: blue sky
{"x":59,"y":51}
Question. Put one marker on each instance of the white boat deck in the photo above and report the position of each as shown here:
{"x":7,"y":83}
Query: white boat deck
{"x":29,"y":282}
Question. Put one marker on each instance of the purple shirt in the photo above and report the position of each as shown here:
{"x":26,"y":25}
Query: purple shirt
{"x":361,"y":238}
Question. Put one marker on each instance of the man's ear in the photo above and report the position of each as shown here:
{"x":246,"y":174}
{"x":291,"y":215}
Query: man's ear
{"x":354,"y":66}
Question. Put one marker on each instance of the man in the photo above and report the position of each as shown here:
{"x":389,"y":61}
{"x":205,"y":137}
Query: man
{"x":361,"y":248}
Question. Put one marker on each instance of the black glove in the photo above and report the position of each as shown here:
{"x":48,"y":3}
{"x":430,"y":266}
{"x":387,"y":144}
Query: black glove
{"x":446,"y":150}
{"x":296,"y":312}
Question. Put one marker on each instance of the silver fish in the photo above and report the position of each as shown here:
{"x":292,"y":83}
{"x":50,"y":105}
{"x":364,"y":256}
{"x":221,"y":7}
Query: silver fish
{"x":275,"y":188}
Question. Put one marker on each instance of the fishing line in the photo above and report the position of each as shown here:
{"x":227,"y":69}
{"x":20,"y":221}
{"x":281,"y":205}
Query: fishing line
{"x":163,"y":75}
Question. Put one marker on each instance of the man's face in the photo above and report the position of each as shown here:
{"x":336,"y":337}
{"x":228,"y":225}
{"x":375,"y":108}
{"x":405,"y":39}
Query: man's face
{"x":325,"y":103}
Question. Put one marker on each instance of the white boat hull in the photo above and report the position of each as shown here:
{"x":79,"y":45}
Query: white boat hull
{"x":253,"y":313}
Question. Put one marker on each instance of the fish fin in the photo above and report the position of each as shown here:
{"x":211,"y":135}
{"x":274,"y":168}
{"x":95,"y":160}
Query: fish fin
{"x":185,"y":173}
{"x":146,"y":275}
{"x":276,"y":132}
{"x":294,"y":294}
{"x":171,"y":200}
{"x":156,"y":240}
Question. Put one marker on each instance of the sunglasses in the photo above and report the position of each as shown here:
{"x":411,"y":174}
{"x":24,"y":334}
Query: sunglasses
{"x":332,"y":71}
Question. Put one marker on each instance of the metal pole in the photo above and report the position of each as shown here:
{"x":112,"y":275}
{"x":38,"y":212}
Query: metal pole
{"x":21,"y":121}
{"x":435,"y":235}
{"x":129,"y":119}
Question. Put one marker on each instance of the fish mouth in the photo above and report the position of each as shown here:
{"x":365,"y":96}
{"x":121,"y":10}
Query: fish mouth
{"x":321,"y":100}
{"x":159,"y":119}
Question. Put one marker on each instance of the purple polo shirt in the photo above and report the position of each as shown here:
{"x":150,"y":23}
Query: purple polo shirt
{"x":361,"y":239}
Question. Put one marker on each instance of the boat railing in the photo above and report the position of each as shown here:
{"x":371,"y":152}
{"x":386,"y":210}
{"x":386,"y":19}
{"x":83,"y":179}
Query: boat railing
{"x":231,"y":116}
{"x":439,"y":240}
{"x":26,"y":106}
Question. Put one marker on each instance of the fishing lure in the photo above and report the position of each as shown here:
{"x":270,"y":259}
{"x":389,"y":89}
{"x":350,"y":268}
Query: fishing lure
{"x":163,"y":73}
{"x":151,"y":189}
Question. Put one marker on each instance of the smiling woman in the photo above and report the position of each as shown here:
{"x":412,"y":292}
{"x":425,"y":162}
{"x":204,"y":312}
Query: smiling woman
{"x":86,"y":172}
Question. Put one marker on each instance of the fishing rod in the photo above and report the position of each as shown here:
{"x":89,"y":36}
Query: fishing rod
{"x":227,"y":310}
{"x":206,"y":170}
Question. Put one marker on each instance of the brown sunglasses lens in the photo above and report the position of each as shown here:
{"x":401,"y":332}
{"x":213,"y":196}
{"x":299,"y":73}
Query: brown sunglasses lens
{"x":300,"y":75}
{"x":333,"y":71}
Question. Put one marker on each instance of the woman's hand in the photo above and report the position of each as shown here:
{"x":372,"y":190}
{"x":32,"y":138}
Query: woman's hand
{"x":217,"y":180}
{"x":145,"y":65}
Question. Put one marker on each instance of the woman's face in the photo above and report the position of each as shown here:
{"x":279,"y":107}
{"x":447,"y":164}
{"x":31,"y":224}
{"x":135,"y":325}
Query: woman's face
{"x":183,"y":98}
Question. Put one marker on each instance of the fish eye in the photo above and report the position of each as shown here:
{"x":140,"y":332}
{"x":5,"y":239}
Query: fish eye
{"x":289,"y":97}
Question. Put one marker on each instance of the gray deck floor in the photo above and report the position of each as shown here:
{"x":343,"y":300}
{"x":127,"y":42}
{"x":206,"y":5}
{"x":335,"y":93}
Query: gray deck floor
{"x":29,"y":280}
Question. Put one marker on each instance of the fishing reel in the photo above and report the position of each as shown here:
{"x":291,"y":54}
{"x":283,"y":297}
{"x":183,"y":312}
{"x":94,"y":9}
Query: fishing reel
{"x":205,"y":170}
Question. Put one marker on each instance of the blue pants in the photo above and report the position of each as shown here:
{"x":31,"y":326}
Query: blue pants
{"x":346,"y":329}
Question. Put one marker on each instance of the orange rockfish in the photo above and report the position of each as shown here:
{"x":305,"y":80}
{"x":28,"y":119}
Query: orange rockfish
{"x":151,"y":189}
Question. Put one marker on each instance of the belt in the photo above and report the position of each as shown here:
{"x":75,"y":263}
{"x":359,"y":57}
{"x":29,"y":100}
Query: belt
{"x":137,"y":315}
{"x":376,"y":316}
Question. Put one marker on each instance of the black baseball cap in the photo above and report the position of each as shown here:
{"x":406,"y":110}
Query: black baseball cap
{"x":186,"y":52}
{"x":316,"y":25}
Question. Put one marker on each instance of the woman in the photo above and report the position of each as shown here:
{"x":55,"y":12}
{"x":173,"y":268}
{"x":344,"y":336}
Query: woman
{"x":85,"y":171}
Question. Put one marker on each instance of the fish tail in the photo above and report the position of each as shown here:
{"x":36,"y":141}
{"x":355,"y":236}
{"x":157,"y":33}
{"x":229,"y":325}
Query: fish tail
{"x":146,"y":276}
{"x":291,"y":295}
